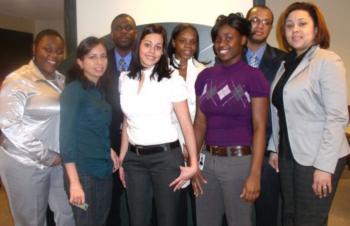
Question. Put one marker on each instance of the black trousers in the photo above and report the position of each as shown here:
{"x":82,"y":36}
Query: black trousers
{"x":147,"y":178}
{"x":267,"y":205}
{"x":301,"y":207}
{"x":117,"y":191}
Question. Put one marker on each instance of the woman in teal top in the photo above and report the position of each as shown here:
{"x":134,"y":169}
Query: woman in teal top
{"x":84,"y":136}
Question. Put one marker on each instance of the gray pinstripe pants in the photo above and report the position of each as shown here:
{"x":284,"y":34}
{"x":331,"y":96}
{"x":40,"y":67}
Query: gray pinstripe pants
{"x":301,"y":207}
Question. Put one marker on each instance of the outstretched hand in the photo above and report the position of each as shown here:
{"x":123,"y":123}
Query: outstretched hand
{"x":186,"y":173}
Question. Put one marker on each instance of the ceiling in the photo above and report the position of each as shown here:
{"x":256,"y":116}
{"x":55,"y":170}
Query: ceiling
{"x":33,"y":9}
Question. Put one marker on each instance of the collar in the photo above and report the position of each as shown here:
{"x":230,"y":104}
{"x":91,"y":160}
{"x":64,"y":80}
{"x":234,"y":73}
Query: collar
{"x":147,"y":72}
{"x":38,"y":76}
{"x":127,"y":58}
{"x":259,"y":52}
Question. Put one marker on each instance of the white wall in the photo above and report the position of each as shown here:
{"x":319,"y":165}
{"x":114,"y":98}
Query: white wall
{"x":95,"y":18}
{"x":338,"y":20}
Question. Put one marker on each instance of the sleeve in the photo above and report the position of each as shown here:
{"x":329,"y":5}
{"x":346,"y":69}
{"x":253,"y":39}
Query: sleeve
{"x":13,"y":99}
{"x":258,"y":85}
{"x":70,"y":104}
{"x":199,"y":84}
{"x":178,"y":89}
{"x":334,"y":96}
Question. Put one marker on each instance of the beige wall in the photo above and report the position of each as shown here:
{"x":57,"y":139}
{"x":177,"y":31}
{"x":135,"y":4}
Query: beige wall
{"x":30,"y":26}
{"x":338,"y":21}
{"x":57,"y":25}
{"x":17,"y":24}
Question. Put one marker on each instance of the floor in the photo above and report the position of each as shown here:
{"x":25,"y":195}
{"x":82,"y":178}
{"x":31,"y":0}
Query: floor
{"x":339,"y":215}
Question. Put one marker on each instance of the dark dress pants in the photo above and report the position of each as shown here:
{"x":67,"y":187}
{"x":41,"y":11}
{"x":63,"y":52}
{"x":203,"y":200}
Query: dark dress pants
{"x":267,"y":205}
{"x":301,"y":207}
{"x":148,"y":177}
{"x":117,"y":191}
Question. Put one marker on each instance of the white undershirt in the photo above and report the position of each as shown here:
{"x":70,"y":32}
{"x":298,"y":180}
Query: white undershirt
{"x":149,"y":111}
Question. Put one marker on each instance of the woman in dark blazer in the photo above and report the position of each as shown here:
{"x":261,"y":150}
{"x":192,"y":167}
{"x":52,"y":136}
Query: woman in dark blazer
{"x":309,"y":116}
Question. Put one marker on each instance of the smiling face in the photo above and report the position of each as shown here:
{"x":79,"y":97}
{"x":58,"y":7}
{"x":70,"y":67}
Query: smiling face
{"x":124,"y":33}
{"x":300,"y":30}
{"x":94,"y":63}
{"x":185,"y":44}
{"x":48,"y":54}
{"x":151,"y":49}
{"x":228,"y":45}
{"x":261,"y":21}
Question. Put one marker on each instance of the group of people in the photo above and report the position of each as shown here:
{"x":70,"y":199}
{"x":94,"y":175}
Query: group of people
{"x":147,"y":117}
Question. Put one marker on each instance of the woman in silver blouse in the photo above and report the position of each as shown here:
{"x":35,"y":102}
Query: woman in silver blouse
{"x":30,"y":164}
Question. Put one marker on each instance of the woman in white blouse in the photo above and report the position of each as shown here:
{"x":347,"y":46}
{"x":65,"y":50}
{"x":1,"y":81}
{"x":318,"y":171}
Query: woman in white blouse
{"x":183,"y":50}
{"x":150,"y":154}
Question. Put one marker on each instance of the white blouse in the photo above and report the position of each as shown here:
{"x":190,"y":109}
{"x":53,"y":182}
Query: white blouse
{"x":149,"y":112}
{"x":193,"y":69}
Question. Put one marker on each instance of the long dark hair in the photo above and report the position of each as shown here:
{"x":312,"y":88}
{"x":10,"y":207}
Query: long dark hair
{"x":161,"y":68}
{"x":75,"y":72}
{"x":176,"y":31}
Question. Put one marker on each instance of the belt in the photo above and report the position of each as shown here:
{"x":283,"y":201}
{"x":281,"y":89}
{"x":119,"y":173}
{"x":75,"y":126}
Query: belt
{"x":229,"y":150}
{"x":153,"y":149}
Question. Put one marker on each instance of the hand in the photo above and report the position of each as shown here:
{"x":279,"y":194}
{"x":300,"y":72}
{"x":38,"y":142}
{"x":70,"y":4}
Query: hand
{"x":186,"y":173}
{"x":197,"y":183}
{"x":251,"y":188}
{"x":57,"y":160}
{"x":77,"y":195}
{"x":273,"y":161}
{"x":115,"y":160}
{"x":322,"y":184}
{"x":122,"y":175}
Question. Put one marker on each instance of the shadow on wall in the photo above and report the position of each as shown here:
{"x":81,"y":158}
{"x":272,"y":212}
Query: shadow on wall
{"x":206,"y":53}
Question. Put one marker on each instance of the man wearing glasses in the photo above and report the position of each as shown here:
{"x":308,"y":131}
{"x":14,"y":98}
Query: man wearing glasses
{"x":261,"y":55}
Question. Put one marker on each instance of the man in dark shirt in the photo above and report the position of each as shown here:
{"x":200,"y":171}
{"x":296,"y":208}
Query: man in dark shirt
{"x":123,"y":33}
{"x":261,"y":55}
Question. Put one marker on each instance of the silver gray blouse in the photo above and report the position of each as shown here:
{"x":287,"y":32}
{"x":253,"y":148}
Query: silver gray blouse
{"x":30,"y":116}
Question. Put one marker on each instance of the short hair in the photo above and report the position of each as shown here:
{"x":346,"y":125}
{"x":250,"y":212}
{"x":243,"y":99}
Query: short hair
{"x":261,"y":7}
{"x":234,"y":20}
{"x":122,"y":15}
{"x":47,"y":32}
{"x":75,"y":72}
{"x":322,"y":37}
{"x":161,"y":68}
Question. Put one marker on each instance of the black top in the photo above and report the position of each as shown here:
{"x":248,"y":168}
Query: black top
{"x":291,"y":63}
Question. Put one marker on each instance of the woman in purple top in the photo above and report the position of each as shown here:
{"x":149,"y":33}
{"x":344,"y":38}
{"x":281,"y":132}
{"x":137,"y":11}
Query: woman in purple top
{"x":232,"y":100}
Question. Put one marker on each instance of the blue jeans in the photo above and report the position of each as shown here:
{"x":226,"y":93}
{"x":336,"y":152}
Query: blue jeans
{"x":148,"y":177}
{"x":98,"y":195}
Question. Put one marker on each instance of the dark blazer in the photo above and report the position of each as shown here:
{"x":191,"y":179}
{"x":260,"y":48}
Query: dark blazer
{"x":270,"y":61}
{"x":112,"y":97}
{"x":269,"y":65}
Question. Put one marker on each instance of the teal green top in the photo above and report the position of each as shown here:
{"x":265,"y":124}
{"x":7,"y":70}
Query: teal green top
{"x":84,"y":130}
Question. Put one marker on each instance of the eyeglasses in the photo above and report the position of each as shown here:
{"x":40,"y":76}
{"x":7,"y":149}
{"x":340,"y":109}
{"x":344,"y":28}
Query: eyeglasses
{"x":257,"y":21}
